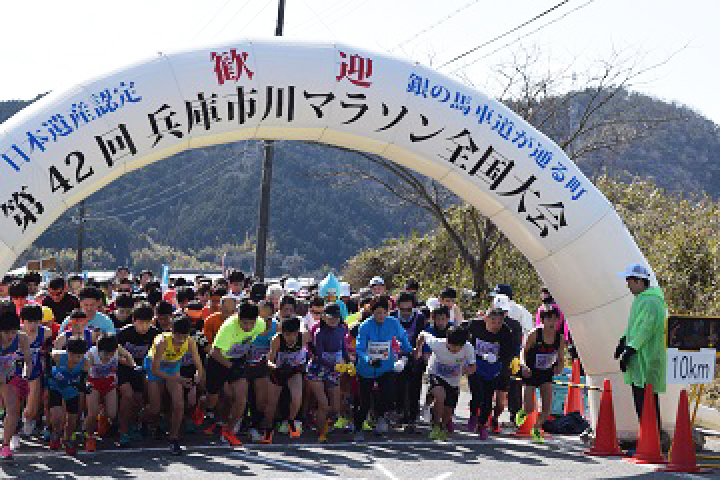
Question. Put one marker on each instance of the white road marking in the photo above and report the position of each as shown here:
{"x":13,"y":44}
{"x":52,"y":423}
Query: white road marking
{"x":385,"y":471}
{"x":278,"y":463}
{"x":442,"y":476}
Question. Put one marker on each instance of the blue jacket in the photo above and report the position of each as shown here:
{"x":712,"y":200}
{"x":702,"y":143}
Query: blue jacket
{"x":375,"y":340}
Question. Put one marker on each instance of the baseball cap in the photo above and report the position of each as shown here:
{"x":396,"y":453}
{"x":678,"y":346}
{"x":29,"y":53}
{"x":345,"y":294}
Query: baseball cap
{"x":292,"y":286}
{"x":635,"y":270}
{"x":432,"y":303}
{"x":377,"y":281}
{"x":501,"y":289}
{"x":501,"y":301}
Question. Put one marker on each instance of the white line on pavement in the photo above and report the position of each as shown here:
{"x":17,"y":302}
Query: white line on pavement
{"x":385,"y":471}
{"x":443,"y":476}
{"x":277,"y":463}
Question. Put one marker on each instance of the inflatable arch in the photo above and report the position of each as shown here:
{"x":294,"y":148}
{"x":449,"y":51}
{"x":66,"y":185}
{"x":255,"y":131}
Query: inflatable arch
{"x":69,"y":144}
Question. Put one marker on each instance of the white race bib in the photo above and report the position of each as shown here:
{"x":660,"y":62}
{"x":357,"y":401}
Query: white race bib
{"x":482,"y":346}
{"x":238,"y":350}
{"x":449,"y":370}
{"x":379,"y":350}
{"x":544,"y":361}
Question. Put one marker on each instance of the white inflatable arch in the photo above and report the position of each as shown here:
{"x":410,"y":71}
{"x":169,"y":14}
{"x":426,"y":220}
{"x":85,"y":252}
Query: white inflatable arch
{"x":69,"y":144}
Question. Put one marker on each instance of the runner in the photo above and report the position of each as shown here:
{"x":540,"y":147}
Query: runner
{"x":59,"y":300}
{"x":544,"y":356}
{"x":376,"y":363}
{"x":228,"y":306}
{"x":66,"y":380}
{"x":286,"y":361}
{"x":162,"y":365}
{"x":493,"y":344}
{"x":452,"y":358}
{"x":14,"y":347}
{"x":448,"y":297}
{"x":91,"y":301}
{"x":78,"y":327}
{"x":329,"y":343}
{"x":228,"y":363}
{"x":163,"y":316}
{"x":258,"y":372}
{"x":136,"y":339}
{"x":40,"y":338}
{"x":103,"y":361}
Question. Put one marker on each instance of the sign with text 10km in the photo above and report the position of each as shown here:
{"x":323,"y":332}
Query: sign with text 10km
{"x":691,"y":367}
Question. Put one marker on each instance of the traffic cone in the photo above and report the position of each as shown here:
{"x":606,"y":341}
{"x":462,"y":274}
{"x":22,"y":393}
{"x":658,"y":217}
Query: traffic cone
{"x":606,"y":444}
{"x":575,"y":400}
{"x":682,"y":455}
{"x":648,"y":444}
{"x":524,"y":429}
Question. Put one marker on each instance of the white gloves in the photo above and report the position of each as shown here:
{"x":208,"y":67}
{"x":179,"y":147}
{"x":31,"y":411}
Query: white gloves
{"x":490,"y":357}
{"x":400,"y":364}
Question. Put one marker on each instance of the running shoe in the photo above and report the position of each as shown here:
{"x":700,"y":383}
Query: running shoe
{"x":483,"y":432}
{"x":229,"y":437}
{"x":175,"y":448}
{"x":70,"y":447}
{"x":103,"y":425}
{"x":124,"y":441}
{"x":410,"y":428}
{"x":90,"y":443}
{"x":322,"y":434}
{"x":381,"y":427}
{"x":14,"y":442}
{"x":198,"y":416}
{"x":55,"y":443}
{"x":520,"y":417}
{"x":450,"y":427}
{"x":368,"y":425}
{"x":296,"y":428}
{"x":495,"y":425}
{"x":341,"y":423}
{"x":28,"y":427}
{"x":537,"y":436}
{"x":284,"y":427}
{"x":472,"y":424}
{"x":443,"y":435}
{"x":255,"y":435}
{"x":6,"y":453}
{"x":46,"y":434}
{"x":266,"y":437}
{"x":436,"y":433}
{"x":359,"y":437}
{"x":426,"y":413}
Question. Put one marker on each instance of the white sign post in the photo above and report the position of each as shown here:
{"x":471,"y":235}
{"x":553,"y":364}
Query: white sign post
{"x":689,"y":367}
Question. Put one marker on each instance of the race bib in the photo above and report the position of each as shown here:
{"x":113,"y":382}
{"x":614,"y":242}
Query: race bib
{"x":448,"y":370}
{"x":7,"y":364}
{"x":187,"y":359}
{"x":379,"y":350}
{"x":259,"y":352}
{"x":168,"y":364}
{"x":100,"y":371}
{"x":137,"y":351}
{"x":238,"y":350}
{"x":482,"y":347}
{"x":544,"y":361}
{"x":332,"y":357}
{"x":291,"y":358}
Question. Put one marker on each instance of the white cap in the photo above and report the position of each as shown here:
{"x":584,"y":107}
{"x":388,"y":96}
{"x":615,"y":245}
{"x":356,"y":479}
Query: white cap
{"x":432,"y":303}
{"x":292,"y":285}
{"x":344,"y":290}
{"x":635,"y":270}
{"x":275,"y":290}
{"x":377,"y":281}
{"x":501,"y":301}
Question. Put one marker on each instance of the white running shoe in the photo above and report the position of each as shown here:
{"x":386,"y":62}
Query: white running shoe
{"x":255,"y":435}
{"x":382,"y":427}
{"x":14,"y":443}
{"x":28,"y":427}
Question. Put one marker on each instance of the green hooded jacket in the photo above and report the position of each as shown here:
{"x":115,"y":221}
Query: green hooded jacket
{"x":646,"y":334}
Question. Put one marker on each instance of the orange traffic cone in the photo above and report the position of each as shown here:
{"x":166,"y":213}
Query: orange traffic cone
{"x":648,"y":444}
{"x":524,"y":429}
{"x":682,"y":455}
{"x":575,"y":400}
{"x":606,"y":444}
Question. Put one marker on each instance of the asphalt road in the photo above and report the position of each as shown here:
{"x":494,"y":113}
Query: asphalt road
{"x":398,"y":456}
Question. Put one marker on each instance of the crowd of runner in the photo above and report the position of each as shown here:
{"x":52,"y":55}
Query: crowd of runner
{"x":130,"y":360}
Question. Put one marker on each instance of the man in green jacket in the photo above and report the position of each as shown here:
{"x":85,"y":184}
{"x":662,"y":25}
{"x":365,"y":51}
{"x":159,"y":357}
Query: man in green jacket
{"x":642,"y":351}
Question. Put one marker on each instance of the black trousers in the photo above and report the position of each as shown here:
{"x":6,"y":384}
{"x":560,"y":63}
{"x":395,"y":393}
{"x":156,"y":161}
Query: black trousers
{"x":383,"y":401}
{"x":639,"y":399}
{"x":482,"y":391}
{"x":407,"y":390}
{"x":515,"y":397}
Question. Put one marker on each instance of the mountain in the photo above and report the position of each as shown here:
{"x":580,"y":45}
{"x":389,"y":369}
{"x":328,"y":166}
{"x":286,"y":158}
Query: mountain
{"x":208,"y":205}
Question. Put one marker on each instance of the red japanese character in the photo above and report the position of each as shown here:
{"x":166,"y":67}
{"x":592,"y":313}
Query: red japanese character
{"x":231,"y":65}
{"x":356,"y":71}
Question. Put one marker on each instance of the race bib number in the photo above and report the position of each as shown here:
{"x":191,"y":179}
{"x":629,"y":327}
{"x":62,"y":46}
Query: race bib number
{"x":100,"y":371}
{"x":379,"y":350}
{"x":449,"y":370}
{"x":7,"y":364}
{"x":168,"y":364}
{"x":482,"y":347}
{"x":332,"y":357}
{"x":238,"y":350}
{"x":544,"y":361}
{"x":138,"y":352}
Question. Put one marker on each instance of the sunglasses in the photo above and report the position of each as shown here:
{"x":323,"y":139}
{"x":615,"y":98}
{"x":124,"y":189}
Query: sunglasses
{"x":406,"y":309}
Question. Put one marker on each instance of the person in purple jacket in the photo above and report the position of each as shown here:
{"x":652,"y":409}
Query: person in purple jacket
{"x":329,"y":343}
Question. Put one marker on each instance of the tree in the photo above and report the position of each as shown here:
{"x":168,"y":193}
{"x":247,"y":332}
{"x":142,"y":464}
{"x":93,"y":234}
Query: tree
{"x":593,"y":116}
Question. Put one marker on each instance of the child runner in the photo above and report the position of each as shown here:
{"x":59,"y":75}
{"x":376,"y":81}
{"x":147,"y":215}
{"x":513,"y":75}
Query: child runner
{"x":162,"y":365}
{"x":286,"y":361}
{"x":77,"y":327}
{"x":544,"y":355}
{"x":258,"y":372}
{"x":66,"y":380}
{"x":14,"y":347}
{"x":493,"y":342}
{"x":103,"y":359}
{"x":329,"y":342}
{"x":452,"y":358}
{"x":40,"y":338}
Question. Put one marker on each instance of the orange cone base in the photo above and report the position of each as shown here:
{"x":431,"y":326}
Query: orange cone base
{"x":647,"y":461}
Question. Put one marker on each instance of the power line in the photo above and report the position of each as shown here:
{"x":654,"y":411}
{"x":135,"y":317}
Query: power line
{"x":505,"y":34}
{"x":328,"y":13}
{"x":524,"y":36}
{"x":437,"y":24}
{"x":233,"y":17}
{"x":212,"y":18}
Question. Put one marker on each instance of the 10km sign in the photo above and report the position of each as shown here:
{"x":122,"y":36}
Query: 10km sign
{"x":688,"y":367}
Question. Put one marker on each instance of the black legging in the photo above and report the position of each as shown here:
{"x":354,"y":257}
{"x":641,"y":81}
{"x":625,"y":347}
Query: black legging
{"x":383,"y":399}
{"x":408,"y":389}
{"x":639,"y":398}
{"x":482,"y":391}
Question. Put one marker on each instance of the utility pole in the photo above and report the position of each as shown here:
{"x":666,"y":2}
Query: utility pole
{"x":80,"y":220}
{"x":264,"y":214}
